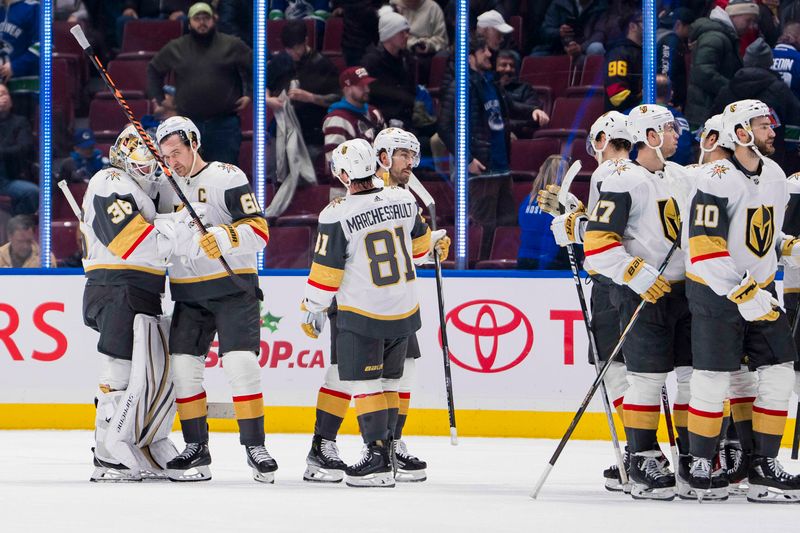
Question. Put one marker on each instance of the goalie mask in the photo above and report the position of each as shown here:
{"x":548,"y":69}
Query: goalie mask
{"x":354,"y":157}
{"x":644,"y":118}
{"x":392,"y":139}
{"x":614,"y":125}
{"x":129,"y":153}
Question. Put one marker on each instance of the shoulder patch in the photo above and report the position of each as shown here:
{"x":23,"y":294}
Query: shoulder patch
{"x":718,"y":170}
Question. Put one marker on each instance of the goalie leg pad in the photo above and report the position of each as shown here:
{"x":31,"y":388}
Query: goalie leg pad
{"x":106,"y":466}
{"x":775,"y":383}
{"x":642,"y":408}
{"x":114,"y":373}
{"x":244,"y":376}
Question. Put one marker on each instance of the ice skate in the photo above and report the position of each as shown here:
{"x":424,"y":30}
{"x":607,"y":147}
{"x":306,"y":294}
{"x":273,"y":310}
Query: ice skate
{"x":264,"y":466}
{"x":736,"y":463}
{"x":707,"y":485}
{"x":374,"y":469}
{"x":682,"y":476}
{"x":105,"y":472}
{"x":770,"y":483}
{"x":191,"y":464}
{"x":613,"y":480}
{"x":409,"y":467}
{"x":649,"y":478}
{"x":323,"y":463}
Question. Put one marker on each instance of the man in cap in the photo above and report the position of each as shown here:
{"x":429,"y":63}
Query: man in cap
{"x":493,"y":28}
{"x":351,"y":117}
{"x":85,"y":160}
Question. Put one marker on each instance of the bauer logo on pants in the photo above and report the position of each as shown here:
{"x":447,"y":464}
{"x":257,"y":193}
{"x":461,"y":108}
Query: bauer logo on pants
{"x":488,"y":336}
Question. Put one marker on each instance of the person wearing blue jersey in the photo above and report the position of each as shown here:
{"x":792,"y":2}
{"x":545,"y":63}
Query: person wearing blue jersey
{"x":786,"y":57}
{"x":19,"y":51}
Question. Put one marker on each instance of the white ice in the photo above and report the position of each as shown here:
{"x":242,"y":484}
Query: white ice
{"x":481,"y":485}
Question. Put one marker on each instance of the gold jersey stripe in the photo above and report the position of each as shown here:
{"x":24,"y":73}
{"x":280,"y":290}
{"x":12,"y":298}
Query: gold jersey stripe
{"x":128,"y":236}
{"x":703,"y":245}
{"x":705,"y":426}
{"x":421,"y":244}
{"x":377,"y":316}
{"x":258,"y":224}
{"x":763,"y":284}
{"x":742,"y":411}
{"x":392,"y":400}
{"x":325,"y":275}
{"x":125,"y":266}
{"x":641,"y":419}
{"x":332,"y":405}
{"x":598,"y":240}
{"x":210,"y":277}
{"x":249,"y":408}
{"x":370,"y":404}
{"x":769,"y":424}
{"x":404,"y":405}
{"x":193,"y":409}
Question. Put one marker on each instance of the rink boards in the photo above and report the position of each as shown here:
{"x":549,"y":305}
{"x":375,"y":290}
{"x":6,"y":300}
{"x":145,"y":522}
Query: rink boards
{"x":518,"y":357}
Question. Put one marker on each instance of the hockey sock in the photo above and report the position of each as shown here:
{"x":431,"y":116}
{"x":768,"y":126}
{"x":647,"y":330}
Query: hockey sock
{"x":744,"y":388}
{"x":642,"y":409}
{"x":775,"y":384}
{"x":372,"y":410}
{"x":244,"y":376}
{"x":726,"y":421}
{"x":708,"y":390}
{"x":392,"y":409}
{"x":402,"y":414}
{"x":680,"y":409}
{"x":332,"y":407}
{"x":190,"y":397}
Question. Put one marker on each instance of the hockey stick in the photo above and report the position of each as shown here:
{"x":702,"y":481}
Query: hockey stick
{"x":796,"y":437}
{"x":77,"y":32}
{"x":596,"y":384}
{"x":417,"y":187}
{"x":70,"y":200}
{"x":566,"y":182}
{"x":673,"y":446}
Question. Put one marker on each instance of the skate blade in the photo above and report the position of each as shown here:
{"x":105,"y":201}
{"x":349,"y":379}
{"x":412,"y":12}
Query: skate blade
{"x":641,"y":492}
{"x":264,"y":477}
{"x":711,"y":495}
{"x":738,"y":489}
{"x":315,"y":474}
{"x":763,"y":494}
{"x":410,"y":476}
{"x":197,"y":473}
{"x":614,"y":485}
{"x":377,"y":480}
{"x":153,"y":476}
{"x":102,"y":474}
{"x":685,"y":491}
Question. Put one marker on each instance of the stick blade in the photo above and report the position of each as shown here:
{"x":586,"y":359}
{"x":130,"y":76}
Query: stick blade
{"x":77,"y":32}
{"x":453,"y":437}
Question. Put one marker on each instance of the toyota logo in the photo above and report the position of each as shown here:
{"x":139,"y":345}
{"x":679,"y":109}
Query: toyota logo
{"x":488,"y":336}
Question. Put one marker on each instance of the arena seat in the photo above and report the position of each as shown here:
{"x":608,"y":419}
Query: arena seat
{"x":332,"y":39}
{"x":61,"y":208}
{"x":527,"y":155}
{"x":505,"y":248}
{"x":64,"y":238}
{"x":274,"y":28}
{"x":437,"y":72}
{"x":306,"y":206}
{"x":145,"y":37}
{"x":246,"y":159}
{"x":572,"y":116}
{"x":289,"y":248}
{"x":552,"y":71}
{"x":130,"y":77}
{"x":107,"y":119}
{"x":475,"y":236}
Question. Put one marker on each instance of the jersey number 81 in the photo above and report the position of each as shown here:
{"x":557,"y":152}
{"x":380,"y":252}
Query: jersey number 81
{"x":382,"y":254}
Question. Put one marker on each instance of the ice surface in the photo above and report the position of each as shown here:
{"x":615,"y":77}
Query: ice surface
{"x":481,"y":485}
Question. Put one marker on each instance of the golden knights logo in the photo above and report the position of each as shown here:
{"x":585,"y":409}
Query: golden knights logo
{"x":717,"y":171}
{"x":670,"y":217}
{"x":760,"y":230}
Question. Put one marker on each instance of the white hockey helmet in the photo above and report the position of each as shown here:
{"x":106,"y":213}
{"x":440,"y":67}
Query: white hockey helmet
{"x":615,"y":126}
{"x":182,"y":126}
{"x":355,"y":157}
{"x":713,"y":124}
{"x":129,"y":153}
{"x":738,"y":115}
{"x":651,"y":117}
{"x":392,"y":139}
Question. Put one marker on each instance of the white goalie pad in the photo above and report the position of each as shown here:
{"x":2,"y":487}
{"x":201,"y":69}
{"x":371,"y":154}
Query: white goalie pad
{"x":137,"y":435}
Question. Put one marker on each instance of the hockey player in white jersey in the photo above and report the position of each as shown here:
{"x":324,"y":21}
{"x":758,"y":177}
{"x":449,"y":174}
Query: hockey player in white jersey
{"x":208,"y":302}
{"x":368,"y":244}
{"x":610,"y":143}
{"x":631,"y":229}
{"x":791,"y":270}
{"x":397,"y":153}
{"x":126,"y":248}
{"x":734,"y":228}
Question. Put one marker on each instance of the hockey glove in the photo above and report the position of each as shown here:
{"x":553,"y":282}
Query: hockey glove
{"x":313,"y":321}
{"x":790,"y":252}
{"x":569,"y":228}
{"x":174,"y":236}
{"x":754,"y":302}
{"x":441,"y":243}
{"x":218,"y":241}
{"x":547,"y":199}
{"x":645,"y":281}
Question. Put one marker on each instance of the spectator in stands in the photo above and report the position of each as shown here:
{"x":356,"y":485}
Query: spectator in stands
{"x":756,"y":80}
{"x":427,"y":30}
{"x":490,"y":187}
{"x":683,"y":154}
{"x":16,"y":158}
{"x":151,"y":9}
{"x":19,"y":54}
{"x":236,"y":18}
{"x":360,"y":31}
{"x":70,"y":10}
{"x":715,"y":55}
{"x":623,"y":72}
{"x":351,"y":117}
{"x":310,"y":80}
{"x":85,"y":159}
{"x":787,"y":57}
{"x":574,"y":27}
{"x":391,"y":64}
{"x":213,"y":82}
{"x":524,"y":107}
{"x":296,"y":9}
{"x":537,"y":246}
{"x":493,"y":27}
{"x":672,"y":44}
{"x":22,"y":250}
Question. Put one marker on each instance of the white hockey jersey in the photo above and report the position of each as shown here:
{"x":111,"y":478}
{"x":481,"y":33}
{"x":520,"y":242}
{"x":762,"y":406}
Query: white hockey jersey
{"x":734,"y":221}
{"x":120,"y":241}
{"x":225,"y":189}
{"x":605,"y":169}
{"x":364,"y":255}
{"x":636,"y":215}
{"x":791,"y":226}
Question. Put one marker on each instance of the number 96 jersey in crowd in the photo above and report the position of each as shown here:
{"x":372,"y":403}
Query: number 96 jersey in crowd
{"x":364,"y":255}
{"x":119,"y":238}
{"x":225,"y":190}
